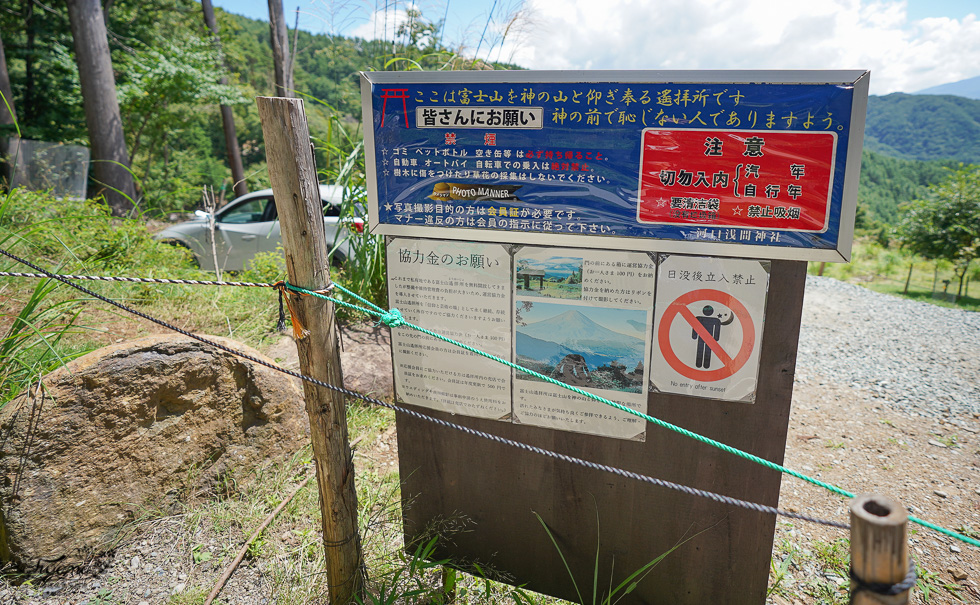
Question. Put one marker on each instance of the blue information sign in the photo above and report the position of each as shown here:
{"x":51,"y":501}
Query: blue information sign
{"x":749,"y":164}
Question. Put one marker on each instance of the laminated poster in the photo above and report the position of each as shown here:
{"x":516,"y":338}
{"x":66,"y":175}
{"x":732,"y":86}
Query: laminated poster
{"x":582,"y":317}
{"x":460,"y":290}
{"x":708,"y":328}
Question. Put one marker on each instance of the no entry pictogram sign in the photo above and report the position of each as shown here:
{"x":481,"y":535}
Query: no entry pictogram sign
{"x":709,"y":316}
{"x":706,"y":329}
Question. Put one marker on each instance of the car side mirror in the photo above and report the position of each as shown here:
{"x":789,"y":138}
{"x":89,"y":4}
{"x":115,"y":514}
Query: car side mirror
{"x":201,"y":214}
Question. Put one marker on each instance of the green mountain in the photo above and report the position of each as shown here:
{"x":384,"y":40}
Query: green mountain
{"x":924,"y":127}
{"x":888,"y":182}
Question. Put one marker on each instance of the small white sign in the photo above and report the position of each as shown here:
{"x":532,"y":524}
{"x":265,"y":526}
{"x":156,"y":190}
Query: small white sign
{"x":582,"y":317}
{"x":460,"y":290}
{"x":482,"y":117}
{"x":708,"y":323}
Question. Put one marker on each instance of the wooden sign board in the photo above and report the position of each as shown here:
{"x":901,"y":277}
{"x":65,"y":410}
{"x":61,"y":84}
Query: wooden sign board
{"x":496,"y":488}
{"x":568,"y":190}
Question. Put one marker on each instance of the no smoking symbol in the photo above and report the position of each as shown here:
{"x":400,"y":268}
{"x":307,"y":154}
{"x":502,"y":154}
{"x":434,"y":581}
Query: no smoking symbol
{"x":678,"y":310}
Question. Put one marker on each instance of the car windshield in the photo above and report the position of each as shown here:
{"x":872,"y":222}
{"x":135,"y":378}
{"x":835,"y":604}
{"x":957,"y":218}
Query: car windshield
{"x":328,"y":210}
{"x":263,"y":209}
{"x":250,"y":211}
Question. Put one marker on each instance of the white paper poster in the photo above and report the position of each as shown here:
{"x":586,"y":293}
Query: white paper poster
{"x":582,"y":317}
{"x":463,"y":291}
{"x":708,"y":327}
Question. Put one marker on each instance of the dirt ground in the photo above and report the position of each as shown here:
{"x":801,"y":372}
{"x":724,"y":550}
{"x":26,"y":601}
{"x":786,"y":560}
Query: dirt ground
{"x":837,"y":434}
{"x":847,"y":437}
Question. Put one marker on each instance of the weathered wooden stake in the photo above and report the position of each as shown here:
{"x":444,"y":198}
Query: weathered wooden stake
{"x":294,"y":184}
{"x":879,"y":548}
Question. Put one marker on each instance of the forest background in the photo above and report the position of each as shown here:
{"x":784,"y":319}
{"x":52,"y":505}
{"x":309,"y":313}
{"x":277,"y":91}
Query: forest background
{"x":167,"y":74}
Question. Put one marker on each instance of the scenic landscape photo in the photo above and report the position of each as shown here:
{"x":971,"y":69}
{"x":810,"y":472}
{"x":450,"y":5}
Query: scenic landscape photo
{"x":552,"y":277}
{"x":582,"y":346}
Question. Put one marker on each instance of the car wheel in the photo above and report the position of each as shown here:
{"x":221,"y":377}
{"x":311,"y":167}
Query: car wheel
{"x":179,"y":244}
{"x":337,"y":260}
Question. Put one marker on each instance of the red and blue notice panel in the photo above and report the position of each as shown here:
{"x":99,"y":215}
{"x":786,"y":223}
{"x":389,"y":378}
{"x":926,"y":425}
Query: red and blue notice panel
{"x":760,"y":164}
{"x":747,"y":179}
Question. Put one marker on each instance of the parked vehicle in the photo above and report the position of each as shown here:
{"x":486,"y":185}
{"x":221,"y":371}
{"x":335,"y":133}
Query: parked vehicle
{"x":249,"y":225}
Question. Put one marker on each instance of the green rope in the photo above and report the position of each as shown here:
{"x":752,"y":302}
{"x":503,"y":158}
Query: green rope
{"x":393,"y":318}
{"x":377,"y":310}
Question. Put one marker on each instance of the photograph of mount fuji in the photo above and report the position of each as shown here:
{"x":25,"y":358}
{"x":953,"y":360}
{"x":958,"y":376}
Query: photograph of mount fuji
{"x":582,"y":346}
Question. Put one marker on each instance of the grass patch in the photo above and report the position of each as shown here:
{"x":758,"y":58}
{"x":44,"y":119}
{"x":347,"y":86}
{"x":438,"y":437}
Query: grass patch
{"x":885,"y":269}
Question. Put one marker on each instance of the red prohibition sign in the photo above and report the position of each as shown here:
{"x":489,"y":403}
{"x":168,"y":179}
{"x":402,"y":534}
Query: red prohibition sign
{"x":730,"y":365}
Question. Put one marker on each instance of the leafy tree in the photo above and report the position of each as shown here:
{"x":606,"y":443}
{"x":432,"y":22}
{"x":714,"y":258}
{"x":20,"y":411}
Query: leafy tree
{"x":946,"y":223}
{"x":164,"y":81}
{"x":232,"y":149}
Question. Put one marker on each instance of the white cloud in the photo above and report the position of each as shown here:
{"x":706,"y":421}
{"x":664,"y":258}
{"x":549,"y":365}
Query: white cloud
{"x":903,"y":55}
{"x":383,"y":24}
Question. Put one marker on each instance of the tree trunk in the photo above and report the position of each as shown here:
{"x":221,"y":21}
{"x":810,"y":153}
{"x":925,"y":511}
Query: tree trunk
{"x":959,"y":291}
{"x":227,"y":118}
{"x":7,"y":113}
{"x":280,"y":49}
{"x":291,"y":54}
{"x":29,"y":102}
{"x":8,"y":117}
{"x":110,"y":162}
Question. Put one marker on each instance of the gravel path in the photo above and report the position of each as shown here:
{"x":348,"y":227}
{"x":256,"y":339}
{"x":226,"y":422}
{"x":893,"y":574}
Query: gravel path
{"x":887,"y":400}
{"x":920,"y":357}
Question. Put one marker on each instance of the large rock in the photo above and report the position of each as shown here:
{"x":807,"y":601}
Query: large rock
{"x":365,"y":358}
{"x":121,"y":431}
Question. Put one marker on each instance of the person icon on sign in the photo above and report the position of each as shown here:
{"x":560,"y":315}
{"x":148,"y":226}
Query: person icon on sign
{"x":712,"y":326}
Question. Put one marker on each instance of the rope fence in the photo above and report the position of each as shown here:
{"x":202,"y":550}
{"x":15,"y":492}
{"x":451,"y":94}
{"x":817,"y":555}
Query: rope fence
{"x":394,"y":319}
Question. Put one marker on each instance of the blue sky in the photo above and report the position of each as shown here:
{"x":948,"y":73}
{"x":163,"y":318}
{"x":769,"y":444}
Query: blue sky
{"x":908,"y":45}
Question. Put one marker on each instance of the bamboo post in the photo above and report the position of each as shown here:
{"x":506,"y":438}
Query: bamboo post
{"x":879,"y":548}
{"x":297,"y":194}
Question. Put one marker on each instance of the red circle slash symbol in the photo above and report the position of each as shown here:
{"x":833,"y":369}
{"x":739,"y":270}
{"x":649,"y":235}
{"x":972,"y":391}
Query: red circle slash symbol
{"x":730,"y":365}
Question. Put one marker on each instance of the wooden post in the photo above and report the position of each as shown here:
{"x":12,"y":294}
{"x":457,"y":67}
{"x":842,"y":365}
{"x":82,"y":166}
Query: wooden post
{"x":294,"y":184}
{"x":879,"y":548}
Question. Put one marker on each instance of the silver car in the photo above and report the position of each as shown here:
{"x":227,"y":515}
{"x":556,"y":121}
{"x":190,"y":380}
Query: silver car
{"x":249,"y":225}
